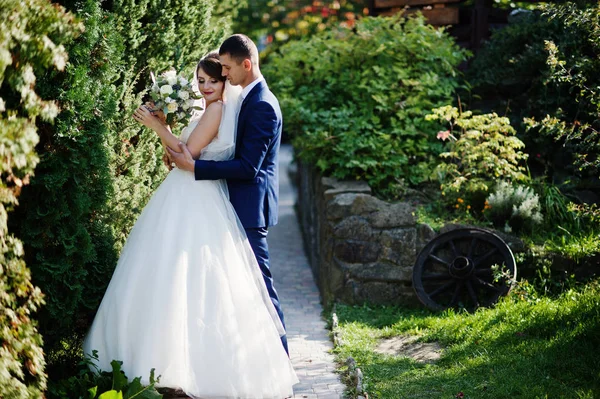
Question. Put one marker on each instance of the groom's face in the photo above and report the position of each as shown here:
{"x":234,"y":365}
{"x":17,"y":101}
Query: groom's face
{"x":234,"y":72}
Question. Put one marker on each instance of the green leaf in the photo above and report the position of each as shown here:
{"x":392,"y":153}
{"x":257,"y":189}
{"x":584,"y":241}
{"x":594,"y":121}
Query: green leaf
{"x":135,"y":386}
{"x":154,"y":380}
{"x":138,"y":391}
{"x":148,"y":393}
{"x":119,"y":378}
{"x":111,"y":395}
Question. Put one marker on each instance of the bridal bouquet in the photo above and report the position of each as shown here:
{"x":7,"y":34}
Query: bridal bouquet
{"x":173,"y":94}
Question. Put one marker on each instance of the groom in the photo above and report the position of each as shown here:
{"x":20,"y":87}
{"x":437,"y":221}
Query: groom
{"x":252,"y":176}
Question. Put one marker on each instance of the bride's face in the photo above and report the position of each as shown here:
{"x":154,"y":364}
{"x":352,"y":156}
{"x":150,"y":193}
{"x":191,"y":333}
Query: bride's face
{"x":211,"y":88}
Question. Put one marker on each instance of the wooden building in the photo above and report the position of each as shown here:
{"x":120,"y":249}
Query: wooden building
{"x":469,"y":24}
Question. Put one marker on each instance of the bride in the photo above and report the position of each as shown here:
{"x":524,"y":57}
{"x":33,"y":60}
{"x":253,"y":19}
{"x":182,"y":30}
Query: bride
{"x":187,"y":297}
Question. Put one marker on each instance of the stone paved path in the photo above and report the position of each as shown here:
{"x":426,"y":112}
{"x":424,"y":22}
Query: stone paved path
{"x":308,"y":337}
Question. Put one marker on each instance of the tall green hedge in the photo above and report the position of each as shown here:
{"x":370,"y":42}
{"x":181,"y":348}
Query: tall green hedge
{"x":167,"y":33}
{"x":98,"y":167}
{"x":30,"y":35}
{"x":63,"y":218}
{"x":354,"y":101}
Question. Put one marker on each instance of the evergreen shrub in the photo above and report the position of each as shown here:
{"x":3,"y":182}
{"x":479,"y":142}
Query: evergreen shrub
{"x":31,"y":32}
{"x":354,"y":101}
{"x":98,"y":166}
{"x":64,"y":218}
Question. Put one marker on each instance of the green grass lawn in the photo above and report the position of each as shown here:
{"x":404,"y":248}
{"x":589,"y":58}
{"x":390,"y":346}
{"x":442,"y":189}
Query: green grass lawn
{"x":526,"y":347}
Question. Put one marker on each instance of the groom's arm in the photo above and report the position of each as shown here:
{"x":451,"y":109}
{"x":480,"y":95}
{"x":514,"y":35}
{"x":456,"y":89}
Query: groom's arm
{"x":261,"y":128}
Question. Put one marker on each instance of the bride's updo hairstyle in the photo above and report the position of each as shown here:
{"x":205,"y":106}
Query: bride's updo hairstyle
{"x":211,"y":65}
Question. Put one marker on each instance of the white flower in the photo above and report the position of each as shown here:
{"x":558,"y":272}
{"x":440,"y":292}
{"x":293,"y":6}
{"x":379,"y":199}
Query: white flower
{"x":3,"y":107}
{"x":184,"y":95}
{"x":185,"y":106}
{"x":170,"y":76}
{"x":172,"y":107}
{"x":28,"y":75}
{"x":166,"y":90}
{"x":49,"y":111}
{"x":181,"y":115}
{"x":59,"y":57}
{"x":169,"y":100}
{"x":183,"y":81}
{"x":155,"y":88}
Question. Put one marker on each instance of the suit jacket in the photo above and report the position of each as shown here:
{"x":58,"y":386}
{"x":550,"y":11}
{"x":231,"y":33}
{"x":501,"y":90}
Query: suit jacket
{"x":253,"y":174}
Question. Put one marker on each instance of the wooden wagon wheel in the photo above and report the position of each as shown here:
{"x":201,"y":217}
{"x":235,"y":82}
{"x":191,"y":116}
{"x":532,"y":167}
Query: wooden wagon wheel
{"x":455,"y":270}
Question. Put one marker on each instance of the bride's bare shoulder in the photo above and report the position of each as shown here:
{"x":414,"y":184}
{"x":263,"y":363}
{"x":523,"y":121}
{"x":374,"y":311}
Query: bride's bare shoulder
{"x":216,"y":106}
{"x":212,"y":111}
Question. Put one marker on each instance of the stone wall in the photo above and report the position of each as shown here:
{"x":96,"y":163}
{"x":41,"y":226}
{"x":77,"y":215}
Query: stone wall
{"x":363,"y":249}
{"x":360,"y":248}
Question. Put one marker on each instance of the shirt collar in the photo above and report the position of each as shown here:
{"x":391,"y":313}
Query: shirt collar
{"x":247,"y":89}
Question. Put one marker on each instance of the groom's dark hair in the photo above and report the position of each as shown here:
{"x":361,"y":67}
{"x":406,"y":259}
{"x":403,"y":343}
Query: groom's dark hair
{"x":240,"y":47}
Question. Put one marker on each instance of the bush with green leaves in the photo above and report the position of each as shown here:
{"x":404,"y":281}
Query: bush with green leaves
{"x":354,"y":101}
{"x":573,"y":61}
{"x":482,"y":149}
{"x":31,"y":33}
{"x":544,"y":67}
{"x":516,"y":208}
{"x":90,"y":383}
{"x":98,"y":166}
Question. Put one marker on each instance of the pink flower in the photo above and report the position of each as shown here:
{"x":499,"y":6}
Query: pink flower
{"x":443,"y":135}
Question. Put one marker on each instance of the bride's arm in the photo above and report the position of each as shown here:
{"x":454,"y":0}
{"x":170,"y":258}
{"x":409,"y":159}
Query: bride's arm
{"x":206,"y":129}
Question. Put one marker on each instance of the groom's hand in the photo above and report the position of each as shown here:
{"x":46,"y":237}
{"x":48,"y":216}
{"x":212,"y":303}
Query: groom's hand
{"x":182,"y":159}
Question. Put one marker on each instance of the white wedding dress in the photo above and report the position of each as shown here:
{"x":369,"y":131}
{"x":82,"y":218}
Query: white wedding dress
{"x":187,"y":297}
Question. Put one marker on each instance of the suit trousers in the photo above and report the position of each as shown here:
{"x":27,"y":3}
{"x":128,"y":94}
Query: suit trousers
{"x":258,"y":241}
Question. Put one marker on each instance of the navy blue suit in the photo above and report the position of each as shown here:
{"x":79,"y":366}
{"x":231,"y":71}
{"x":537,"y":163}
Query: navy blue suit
{"x":253,"y":174}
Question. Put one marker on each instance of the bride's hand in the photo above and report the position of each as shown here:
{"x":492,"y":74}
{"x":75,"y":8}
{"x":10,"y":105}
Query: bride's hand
{"x":156,"y":112}
{"x":144,"y":116}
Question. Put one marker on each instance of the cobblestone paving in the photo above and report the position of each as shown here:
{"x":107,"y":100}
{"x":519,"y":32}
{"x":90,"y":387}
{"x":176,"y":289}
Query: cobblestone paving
{"x":308,"y":337}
